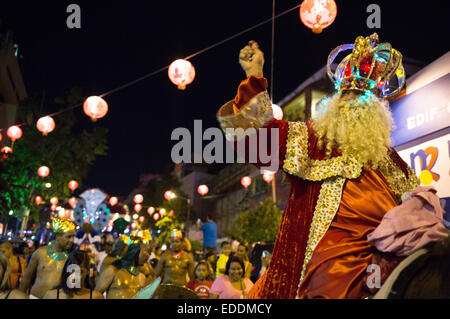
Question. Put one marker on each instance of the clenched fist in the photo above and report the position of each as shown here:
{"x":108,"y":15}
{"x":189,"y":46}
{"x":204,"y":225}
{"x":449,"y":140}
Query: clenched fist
{"x":251,"y":59}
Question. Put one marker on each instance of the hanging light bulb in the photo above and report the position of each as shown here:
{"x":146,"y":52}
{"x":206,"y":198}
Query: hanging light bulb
{"x":45,"y":125}
{"x":95,"y":107}
{"x":181,"y":73}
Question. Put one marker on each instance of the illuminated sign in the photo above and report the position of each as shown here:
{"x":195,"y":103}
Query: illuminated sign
{"x":422,"y":112}
{"x":431,"y":163}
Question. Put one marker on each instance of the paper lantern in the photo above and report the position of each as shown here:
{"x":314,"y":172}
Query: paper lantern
{"x":14,"y":133}
{"x":135,"y":216}
{"x":73,"y":202}
{"x":45,"y":125}
{"x":137,"y":207}
{"x":277,"y":112}
{"x":133,"y":226}
{"x":203,"y":190}
{"x":169,"y":195}
{"x":73,"y":185}
{"x":156,"y":216}
{"x":318,"y":14}
{"x":113,"y":200}
{"x":181,"y":73}
{"x":95,"y":107}
{"x":246,"y":181}
{"x":171,"y":213}
{"x":162,"y":211}
{"x":141,"y":219}
{"x":6,"y":150}
{"x":53,"y":208}
{"x":268,"y":176}
{"x":138,"y":199}
{"x":54,"y":200}
{"x":38,"y":200}
{"x":151,"y":210}
{"x":43,"y":171}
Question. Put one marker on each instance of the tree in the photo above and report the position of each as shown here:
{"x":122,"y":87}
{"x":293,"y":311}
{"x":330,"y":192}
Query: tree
{"x":258,"y":224}
{"x":65,"y":151}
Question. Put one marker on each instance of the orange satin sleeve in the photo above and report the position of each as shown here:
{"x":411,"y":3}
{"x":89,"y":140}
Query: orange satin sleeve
{"x":248,"y":88}
{"x":339,"y":262}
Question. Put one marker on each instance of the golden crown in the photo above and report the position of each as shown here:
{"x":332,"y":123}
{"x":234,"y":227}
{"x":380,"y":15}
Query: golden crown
{"x":141,"y":236}
{"x":61,"y":226}
{"x":370,"y":67}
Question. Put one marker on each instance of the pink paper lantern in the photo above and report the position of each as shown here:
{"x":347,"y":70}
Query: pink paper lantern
{"x":138,"y":199}
{"x":6,"y":150}
{"x":73,"y":202}
{"x":151,"y":210}
{"x":162,"y":211}
{"x":268,"y":176}
{"x":73,"y":185}
{"x":171,"y":213}
{"x":43,"y":171}
{"x":113,"y":200}
{"x":54,"y":200}
{"x":95,"y":107}
{"x":53,"y":208}
{"x":38,"y":200}
{"x":246,"y":181}
{"x":141,"y":219}
{"x":181,"y":73}
{"x":318,"y":14}
{"x":137,"y":207}
{"x":169,"y":195}
{"x":14,"y":133}
{"x":45,"y":125}
{"x":203,"y":190}
{"x":156,"y":216}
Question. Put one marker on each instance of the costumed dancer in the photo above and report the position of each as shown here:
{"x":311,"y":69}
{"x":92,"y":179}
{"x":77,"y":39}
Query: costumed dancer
{"x":47,"y":262}
{"x":123,"y":279}
{"x":344,"y":174}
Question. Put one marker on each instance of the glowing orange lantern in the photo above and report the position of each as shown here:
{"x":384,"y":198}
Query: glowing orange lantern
{"x":53,"y":208}
{"x":171,"y":213}
{"x":169,"y":195}
{"x":95,"y":107}
{"x":246,"y":181}
{"x":318,"y":14}
{"x":14,"y":133}
{"x":137,"y":207}
{"x":162,"y":211}
{"x":73,"y":185}
{"x":73,"y":202}
{"x":277,"y":112}
{"x":203,"y":190}
{"x":138,"y":199}
{"x":181,"y":73}
{"x":141,"y":219}
{"x":268,"y":176}
{"x":45,"y":125}
{"x":113,"y":200}
{"x":6,"y":150}
{"x":54,"y":200}
{"x":38,"y":200}
{"x":43,"y":171}
{"x":133,"y":226}
{"x":156,"y":216}
{"x":151,"y":210}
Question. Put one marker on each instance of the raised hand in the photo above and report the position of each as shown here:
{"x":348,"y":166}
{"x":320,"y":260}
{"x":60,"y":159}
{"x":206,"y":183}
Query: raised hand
{"x":251,"y":58}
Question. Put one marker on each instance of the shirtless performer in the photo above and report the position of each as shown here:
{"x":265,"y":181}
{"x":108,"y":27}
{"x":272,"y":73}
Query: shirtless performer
{"x":122,"y":279}
{"x":47,"y":262}
{"x":175,"y":263}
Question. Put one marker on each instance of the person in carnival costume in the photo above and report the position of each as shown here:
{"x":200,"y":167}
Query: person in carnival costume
{"x":47,"y":262}
{"x":344,"y":174}
{"x":175,"y":263}
{"x":122,"y":279}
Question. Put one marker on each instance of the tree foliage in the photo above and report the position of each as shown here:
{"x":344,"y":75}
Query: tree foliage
{"x":258,"y":224}
{"x":67,"y":152}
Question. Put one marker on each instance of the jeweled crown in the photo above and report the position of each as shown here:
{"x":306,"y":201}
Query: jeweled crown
{"x":370,"y":67}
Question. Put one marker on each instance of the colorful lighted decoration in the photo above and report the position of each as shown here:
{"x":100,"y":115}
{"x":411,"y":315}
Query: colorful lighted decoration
{"x":53,"y":208}
{"x":268,"y":176}
{"x":138,"y":198}
{"x":5,"y":151}
{"x":150,"y":210}
{"x":138,"y":207}
{"x":54,"y":200}
{"x":113,"y":200}
{"x":43,"y":171}
{"x":162,"y":211}
{"x":318,"y":14}
{"x":91,"y":208}
{"x":171,"y":213}
{"x":45,"y":125}
{"x":73,"y":202}
{"x":133,"y":226}
{"x":277,"y":112}
{"x":246,"y":181}
{"x":181,"y":73}
{"x":203,"y":190}
{"x":141,"y":219}
{"x":169,"y":195}
{"x":95,"y":107}
{"x":135,"y":216}
{"x":38,"y":200}
{"x":156,"y":216}
{"x":370,"y":68}
{"x":14,"y":133}
{"x":73,"y":185}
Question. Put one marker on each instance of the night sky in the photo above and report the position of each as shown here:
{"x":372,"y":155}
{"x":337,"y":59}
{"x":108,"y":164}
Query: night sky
{"x":120,"y":41}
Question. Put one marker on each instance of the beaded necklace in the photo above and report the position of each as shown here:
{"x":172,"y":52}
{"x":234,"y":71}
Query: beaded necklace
{"x":58,"y":256}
